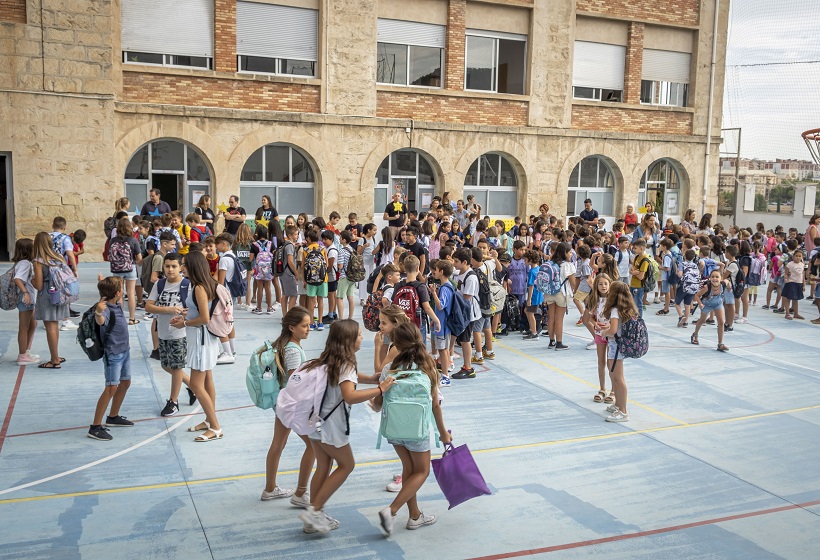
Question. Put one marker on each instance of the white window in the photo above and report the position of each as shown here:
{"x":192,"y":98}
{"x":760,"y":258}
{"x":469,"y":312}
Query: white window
{"x":178,"y":33}
{"x":598,"y":71}
{"x":665,"y":77}
{"x":410,"y":53}
{"x":592,"y":178}
{"x":493,"y":182}
{"x":495,"y":61}
{"x":660,"y":185}
{"x":283,"y":173}
{"x":273,"y":39}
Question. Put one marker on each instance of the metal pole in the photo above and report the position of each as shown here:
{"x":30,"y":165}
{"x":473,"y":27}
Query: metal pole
{"x":737,"y":175}
{"x":711,"y":103}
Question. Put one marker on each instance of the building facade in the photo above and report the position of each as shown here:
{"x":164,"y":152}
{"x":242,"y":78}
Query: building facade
{"x":332,"y":105}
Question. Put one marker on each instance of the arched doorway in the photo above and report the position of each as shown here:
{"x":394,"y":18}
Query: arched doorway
{"x":493,"y":182}
{"x":409,"y":172}
{"x":285,"y":174}
{"x":661,"y":185}
{"x":178,"y":170}
{"x":592,"y":178}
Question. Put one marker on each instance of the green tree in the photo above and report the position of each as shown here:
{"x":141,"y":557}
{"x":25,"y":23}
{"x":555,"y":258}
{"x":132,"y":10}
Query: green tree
{"x":760,"y":203}
{"x":781,"y":195}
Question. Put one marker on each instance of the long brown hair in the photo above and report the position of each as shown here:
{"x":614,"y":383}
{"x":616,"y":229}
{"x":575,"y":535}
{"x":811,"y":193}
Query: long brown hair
{"x":293,"y":318}
{"x":609,"y":267}
{"x":406,"y":338}
{"x":43,"y":250}
{"x":591,"y":301}
{"x":620,"y":297}
{"x":394,"y":314}
{"x":199,"y":273}
{"x":339,"y":352}
{"x":23,"y":249}
{"x":124,"y":227}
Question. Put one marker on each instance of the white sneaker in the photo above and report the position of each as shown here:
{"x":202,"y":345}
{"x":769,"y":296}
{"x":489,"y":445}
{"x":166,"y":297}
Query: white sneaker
{"x":395,"y":486}
{"x":591,"y":345}
{"x":743,"y":320}
{"x":33,"y":356}
{"x":315,"y":521}
{"x":656,"y":300}
{"x":277,"y":493}
{"x":421,"y":521}
{"x":332,"y":524}
{"x":612,"y":408}
{"x":225,"y":358}
{"x":68,"y":325}
{"x":26,"y":360}
{"x":386,"y":521}
{"x":302,"y":501}
{"x":617,"y":416}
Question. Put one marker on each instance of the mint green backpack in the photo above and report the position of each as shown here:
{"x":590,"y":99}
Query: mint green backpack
{"x":264,"y":392}
{"x":407,"y":408}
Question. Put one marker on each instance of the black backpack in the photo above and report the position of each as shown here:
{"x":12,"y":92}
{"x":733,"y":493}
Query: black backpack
{"x":371,"y":280}
{"x":88,"y":334}
{"x":485,"y":301}
{"x":739,"y":284}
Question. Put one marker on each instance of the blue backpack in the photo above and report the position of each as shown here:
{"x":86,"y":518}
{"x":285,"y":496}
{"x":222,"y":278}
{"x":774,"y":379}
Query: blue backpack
{"x":709,"y":265}
{"x":634,"y":340}
{"x":672,"y":277}
{"x":236,"y":285}
{"x":548,"y":279}
{"x":264,"y":389}
{"x":407,"y":409}
{"x":458,"y":317}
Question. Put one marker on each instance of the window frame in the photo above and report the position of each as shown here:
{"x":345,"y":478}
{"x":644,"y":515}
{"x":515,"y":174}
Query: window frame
{"x":653,"y":93}
{"x":165,"y":60}
{"x":275,"y":186}
{"x":598,"y":94}
{"x":277,"y":63}
{"x":597,"y":189}
{"x":497,"y":45}
{"x":498,"y":187}
{"x":407,"y":66}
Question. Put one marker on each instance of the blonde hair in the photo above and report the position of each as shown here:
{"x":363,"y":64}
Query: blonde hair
{"x":43,"y":249}
{"x":244,"y":236}
{"x":394,"y":314}
{"x":620,"y":298}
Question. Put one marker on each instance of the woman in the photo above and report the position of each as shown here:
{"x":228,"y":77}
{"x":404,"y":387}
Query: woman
{"x":705,"y":225}
{"x":120,"y":209}
{"x":812,"y":233}
{"x":650,"y":210}
{"x":266,"y":212}
{"x":123,"y":257}
{"x":206,"y":215}
{"x":203,"y":347}
{"x":44,"y":258}
{"x":689,"y":221}
{"x":544,"y":211}
{"x":630,"y":217}
{"x":445,"y":200}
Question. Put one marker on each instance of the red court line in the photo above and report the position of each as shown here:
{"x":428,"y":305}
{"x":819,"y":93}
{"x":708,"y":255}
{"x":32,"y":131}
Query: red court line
{"x":605,"y":540}
{"x":10,"y":409}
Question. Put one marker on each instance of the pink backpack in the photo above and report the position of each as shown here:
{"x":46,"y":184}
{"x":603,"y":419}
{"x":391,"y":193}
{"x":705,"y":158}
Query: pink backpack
{"x":300,"y":402}
{"x":221,"y":322}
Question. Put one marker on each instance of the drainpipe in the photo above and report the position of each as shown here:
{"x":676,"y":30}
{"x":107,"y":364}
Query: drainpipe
{"x":711,"y":103}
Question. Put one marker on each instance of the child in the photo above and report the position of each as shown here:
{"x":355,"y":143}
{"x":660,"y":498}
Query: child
{"x":315,"y":293}
{"x":229,"y":268}
{"x":623,"y":258}
{"x":518,"y":270}
{"x":367,"y":248}
{"x":44,"y":260}
{"x":583,"y":280}
{"x":62,"y":244}
{"x":443,"y":299}
{"x":332,"y":257}
{"x":78,"y":241}
{"x":710,"y":299}
{"x":332,"y":443}
{"x":346,"y":287}
{"x":414,"y":454}
{"x":468,"y":289}
{"x":182,"y":230}
{"x":289,"y":280}
{"x":482,"y":325}
{"x":666,"y":270}
{"x":793,"y":288}
{"x":195,"y":231}
{"x":593,"y":315}
{"x":262,"y":265}
{"x":211,"y":255}
{"x":559,"y":302}
{"x":389,"y":317}
{"x":534,"y":297}
{"x":411,"y":267}
{"x":640,"y":265}
{"x":289,"y":356}
{"x":117,"y":358}
{"x":689,"y":286}
{"x":168,"y":298}
{"x":242,"y":249}
{"x":26,"y":325}
{"x":124,"y":255}
{"x":618,"y":309}
{"x":730,"y":272}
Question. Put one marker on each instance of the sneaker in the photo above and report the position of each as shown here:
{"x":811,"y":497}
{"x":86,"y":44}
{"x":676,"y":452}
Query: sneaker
{"x":34,"y":356}
{"x":464,"y":373}
{"x":100,"y":433}
{"x":269,"y":311}
{"x":27,"y":360}
{"x":561,"y":346}
{"x":225,"y":358}
{"x":579,"y":322}
{"x":421,"y":521}
{"x":445,"y":381}
{"x":327,"y":319}
{"x":551,"y":344}
{"x":256,"y":310}
{"x":74,"y":314}
{"x":727,"y":328}
{"x":545,"y":332}
{"x":148,"y":316}
{"x":489,"y":355}
{"x":314,"y":326}
{"x":68,"y":325}
{"x":170,"y":409}
{"x":332,"y":524}
{"x":155,"y":354}
{"x":302,"y":501}
{"x":386,"y":521}
{"x":395,"y":486}
{"x":531,"y":337}
{"x":743,"y":320}
{"x":591,"y":345}
{"x":617,"y":416}
{"x":779,"y":311}
{"x":118,"y":421}
{"x":191,"y":397}
{"x":452,"y":367}
{"x":315,"y":521}
{"x":277,"y":493}
{"x":764,"y":307}
{"x":320,"y":327}
{"x":477,"y":359}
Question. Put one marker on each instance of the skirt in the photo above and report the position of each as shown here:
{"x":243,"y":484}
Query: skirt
{"x":44,"y":310}
{"x":203,"y":349}
{"x":793,"y":291}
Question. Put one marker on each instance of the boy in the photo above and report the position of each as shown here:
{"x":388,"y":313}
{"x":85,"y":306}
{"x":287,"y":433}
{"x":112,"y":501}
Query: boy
{"x":355,"y":228}
{"x":288,"y":279}
{"x":730,"y":272}
{"x":167,"y":221}
{"x":640,"y":265}
{"x":443,"y":298}
{"x":116,"y":360}
{"x":211,"y":255}
{"x":167,"y":298}
{"x":418,"y":250}
{"x":533,"y":298}
{"x":468,"y":289}
{"x":518,"y":270}
{"x":231,"y":274}
{"x":666,"y":270}
{"x":366,"y":248}
{"x":491,"y":265}
{"x":78,"y":243}
{"x":392,"y":276}
{"x":346,"y":287}
{"x":64,"y":246}
{"x":152,"y":272}
{"x":332,"y":257}
{"x":182,"y":230}
{"x":195,"y":232}
{"x":481,"y":325}
{"x":314,"y":293}
{"x":411,"y":267}
{"x":688,"y":287}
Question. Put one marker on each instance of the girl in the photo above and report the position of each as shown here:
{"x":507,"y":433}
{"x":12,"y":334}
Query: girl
{"x":793,"y":289}
{"x":25,"y":305}
{"x":710,"y":299}
{"x":604,"y":263}
{"x":303,"y":223}
{"x":203,"y":347}
{"x":206,"y":215}
{"x":44,"y":257}
{"x":593,"y":316}
{"x":619,"y":308}
{"x":426,"y":235}
{"x":558,"y":303}
{"x":125,"y":240}
{"x":390,"y":316}
{"x":242,"y":249}
{"x":456,"y":233}
{"x":414,"y":455}
{"x":524,"y":236}
{"x":435,"y":239}
{"x":262,"y":276}
{"x":331,"y":441}
{"x":705,"y":225}
{"x":386,"y":247}
{"x":289,"y":356}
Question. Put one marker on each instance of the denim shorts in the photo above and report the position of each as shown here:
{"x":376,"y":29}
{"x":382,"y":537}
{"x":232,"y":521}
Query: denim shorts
{"x":117,"y":368}
{"x":711,"y":304}
{"x":612,"y":347}
{"x":126,"y":275}
{"x":414,"y":446}
{"x":481,"y":324}
{"x":21,"y":306}
{"x":664,"y":287}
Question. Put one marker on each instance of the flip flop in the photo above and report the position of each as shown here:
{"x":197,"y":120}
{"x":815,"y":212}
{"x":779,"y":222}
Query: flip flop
{"x":132,"y":322}
{"x":49,"y":365}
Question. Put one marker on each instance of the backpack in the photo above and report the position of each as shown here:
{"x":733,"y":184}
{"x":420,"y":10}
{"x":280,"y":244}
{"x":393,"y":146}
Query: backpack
{"x":120,"y":256}
{"x":371,"y":280}
{"x":755,"y":277}
{"x":458,"y":318}
{"x":57,"y":244}
{"x":354,"y":271}
{"x":407,"y":408}
{"x":634,"y":339}
{"x":690,"y":278}
{"x":621,"y":255}
{"x":264,"y":392}
{"x":109,"y":225}
{"x":511,"y":316}
{"x":88,"y":334}
{"x":315,"y":268}
{"x":371,"y":309}
{"x":220,"y":323}
{"x":145,"y":280}
{"x":263,"y":263}
{"x":9,"y":294}
{"x":407,"y":297}
{"x":63,"y":286}
{"x":548,"y":279}
{"x":739,"y":283}
{"x":280,"y":260}
{"x":672,"y":277}
{"x":236,"y":285}
{"x":485,"y":301}
{"x":650,"y":279}
{"x":708,"y":266}
{"x":498,"y":295}
{"x":300,"y":401}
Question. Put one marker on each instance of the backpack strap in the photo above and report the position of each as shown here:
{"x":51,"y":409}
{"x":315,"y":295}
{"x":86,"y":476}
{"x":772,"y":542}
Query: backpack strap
{"x":183,"y":291}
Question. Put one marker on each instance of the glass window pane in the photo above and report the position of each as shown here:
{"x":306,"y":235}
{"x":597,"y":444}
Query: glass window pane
{"x":197,"y":170}
{"x":137,"y":195}
{"x":580,"y":197}
{"x":480,"y":61}
{"x":391,"y":64}
{"x":613,"y":95}
{"x":573,"y":177}
{"x":646,"y":91}
{"x":672,"y":181}
{"x":471,"y":179}
{"x":571,"y":194}
{"x":589,"y":173}
{"x":143,"y":58}
{"x":502,"y":203}
{"x":480,"y":198}
{"x":257,"y":64}
{"x":379,"y":201}
{"x":426,"y":175}
{"x":425,"y":66}
{"x":277,"y":164}
{"x":508,"y":176}
{"x":167,"y":155}
{"x":488,"y":170}
{"x":138,"y":166}
{"x":196,"y":61}
{"x":585,"y":93}
{"x":297,"y":67}
{"x":294,"y":200}
{"x":253,"y":168}
{"x":383,"y":173}
{"x":403,"y":162}
{"x":655,"y":172}
{"x":511,"y":65}
{"x":302,"y":171}
{"x":604,"y":176}
{"x":252,"y":194}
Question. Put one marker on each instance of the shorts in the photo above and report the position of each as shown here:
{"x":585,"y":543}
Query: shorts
{"x":612,"y":347}
{"x":534,"y":309}
{"x":441,"y":342}
{"x":21,"y":306}
{"x":816,"y":291}
{"x":598,"y":339}
{"x":117,"y":367}
{"x":317,"y":291}
{"x":248,"y":265}
{"x":126,"y":275}
{"x":346,"y":288}
{"x":728,"y":298}
{"x":753,"y":290}
{"x":683,"y":297}
{"x":139,"y":274}
{"x":711,"y":304}
{"x":289,"y":285}
{"x":580,"y":296}
{"x":480,"y":324}
{"x":332,"y":286}
{"x":664,"y":287}
{"x":466,"y":336}
{"x":173,"y":353}
{"x":560,"y":299}
{"x":422,"y":446}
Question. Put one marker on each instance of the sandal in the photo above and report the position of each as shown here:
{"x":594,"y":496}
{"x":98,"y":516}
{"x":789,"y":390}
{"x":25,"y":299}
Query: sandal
{"x":199,"y":427}
{"x":132,"y":322}
{"x":694,"y":339}
{"x":722,"y":348}
{"x":789,"y":317}
{"x":610,"y":398}
{"x":599,"y":397}
{"x":680,"y":321}
{"x":49,"y":365}
{"x":216,"y":434}
{"x":815,"y":321}
{"x":663,"y":312}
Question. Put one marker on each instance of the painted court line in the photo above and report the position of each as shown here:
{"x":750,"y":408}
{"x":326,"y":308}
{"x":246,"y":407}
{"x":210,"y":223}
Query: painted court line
{"x":394,"y":461}
{"x":10,"y":410}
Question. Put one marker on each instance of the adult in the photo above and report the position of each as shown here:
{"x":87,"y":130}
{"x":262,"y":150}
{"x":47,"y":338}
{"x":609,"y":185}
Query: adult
{"x":812,"y":232}
{"x":544,"y":213}
{"x":395,"y":213}
{"x":435,"y":204}
{"x":648,"y":231}
{"x":630,"y":217}
{"x":650,"y":210}
{"x":445,"y":200}
{"x":705,"y":225}
{"x":235,"y":215}
{"x":461,"y":215}
{"x":689,"y":221}
{"x":588,"y":214}
{"x":267,"y":211}
{"x":206,"y":215}
{"x":154,"y":206}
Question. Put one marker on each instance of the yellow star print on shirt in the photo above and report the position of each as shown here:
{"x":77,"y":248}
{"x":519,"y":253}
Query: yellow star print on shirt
{"x":397,"y":206}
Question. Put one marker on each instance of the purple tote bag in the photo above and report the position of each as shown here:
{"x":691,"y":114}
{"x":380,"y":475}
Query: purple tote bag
{"x":458,"y":475}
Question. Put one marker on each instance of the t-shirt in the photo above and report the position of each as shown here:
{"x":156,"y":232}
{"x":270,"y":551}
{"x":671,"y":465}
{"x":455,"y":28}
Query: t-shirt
{"x":461,"y":217}
{"x":666,"y":262}
{"x":232,"y":226}
{"x":332,"y":253}
{"x":24,"y":271}
{"x":623,"y":266}
{"x":445,"y":297}
{"x":133,"y":244}
{"x":468,"y":286}
{"x":517,"y":270}
{"x":206,"y":215}
{"x":642,"y":264}
{"x":62,"y":243}
{"x":396,"y":212}
{"x":341,"y":264}
{"x":387,"y":292}
{"x":589,"y":215}
{"x":243,"y":252}
{"x":290,"y":250}
{"x":417,"y":249}
{"x":567,"y":270}
{"x":613,"y":314}
{"x":367,"y":253}
{"x":358,"y":229}
{"x":582,"y":272}
{"x":116,"y":341}
{"x":170,"y":297}
{"x":213,"y":263}
{"x":794,"y":272}
{"x":537,"y":295}
{"x":77,"y":248}
{"x":181,"y":232}
{"x":293,"y":356}
{"x":151,"y":209}
{"x":227,"y":264}
{"x":265,"y":213}
{"x":733,"y":269}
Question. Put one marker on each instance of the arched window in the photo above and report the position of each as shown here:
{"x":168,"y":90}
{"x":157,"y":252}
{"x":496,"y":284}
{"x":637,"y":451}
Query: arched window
{"x":592,"y":178}
{"x":283,"y":173}
{"x":178,"y":170}
{"x":407,"y":171}
{"x":660,"y":185}
{"x":493,"y":182}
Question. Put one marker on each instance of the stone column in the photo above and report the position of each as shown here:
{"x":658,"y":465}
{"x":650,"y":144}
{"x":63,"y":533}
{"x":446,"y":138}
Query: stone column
{"x":454,"y":53}
{"x":552,"y":34}
{"x":350,"y":67}
{"x":225,"y":36}
{"x":633,"y":65}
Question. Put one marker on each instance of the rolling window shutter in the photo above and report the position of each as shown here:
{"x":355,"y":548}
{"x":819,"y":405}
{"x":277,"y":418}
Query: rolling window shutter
{"x":498,"y":35}
{"x":412,"y":33}
{"x":598,"y":65}
{"x":272,"y":31}
{"x":179,"y":27}
{"x":666,"y":66}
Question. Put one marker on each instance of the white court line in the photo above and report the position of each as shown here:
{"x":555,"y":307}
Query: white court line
{"x":104,"y":459}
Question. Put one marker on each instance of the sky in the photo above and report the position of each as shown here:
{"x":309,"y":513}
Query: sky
{"x":771,"y":92}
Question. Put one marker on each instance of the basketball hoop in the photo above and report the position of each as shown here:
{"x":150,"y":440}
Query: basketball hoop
{"x":812,"y":139}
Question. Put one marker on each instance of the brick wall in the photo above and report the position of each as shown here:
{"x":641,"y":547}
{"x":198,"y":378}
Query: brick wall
{"x":681,"y":12}
{"x":454,"y":53}
{"x":613,"y":118}
{"x":442,"y":108}
{"x":225,"y":35}
{"x":203,"y":91}
{"x":13,"y":11}
{"x":634,"y":64}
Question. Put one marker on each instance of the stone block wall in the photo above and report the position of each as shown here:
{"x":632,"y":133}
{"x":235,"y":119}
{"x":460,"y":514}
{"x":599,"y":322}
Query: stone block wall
{"x":13,"y":11}
{"x":443,"y":108}
{"x":674,"y":12}
{"x":619,"y":119}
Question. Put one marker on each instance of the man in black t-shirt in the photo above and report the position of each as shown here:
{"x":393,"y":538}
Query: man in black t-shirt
{"x":589,"y":215}
{"x":235,"y":215}
{"x":396,"y":212}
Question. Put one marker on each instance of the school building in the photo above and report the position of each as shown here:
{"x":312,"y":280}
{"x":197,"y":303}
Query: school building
{"x":332,"y":104}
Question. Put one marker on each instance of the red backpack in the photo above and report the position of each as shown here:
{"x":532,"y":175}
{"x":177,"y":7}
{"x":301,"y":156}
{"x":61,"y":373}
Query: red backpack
{"x":407,"y":297}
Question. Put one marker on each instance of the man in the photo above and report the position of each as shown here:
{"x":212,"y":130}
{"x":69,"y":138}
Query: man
{"x":589,"y":215}
{"x":395,"y":213}
{"x":154,"y":207}
{"x":234,"y":216}
{"x":461,"y":214}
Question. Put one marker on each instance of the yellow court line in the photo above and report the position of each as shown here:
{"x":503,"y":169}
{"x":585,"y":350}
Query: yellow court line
{"x":585,"y":382}
{"x":394,"y":461}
